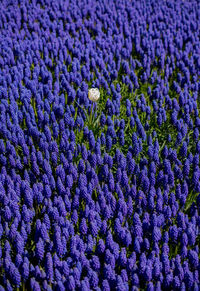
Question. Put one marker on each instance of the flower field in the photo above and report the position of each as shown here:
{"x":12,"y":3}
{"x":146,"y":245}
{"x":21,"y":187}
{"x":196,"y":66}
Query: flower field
{"x":99,"y":145}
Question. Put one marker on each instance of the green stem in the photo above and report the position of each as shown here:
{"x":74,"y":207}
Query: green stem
{"x":66,"y":98}
{"x":23,"y":286}
{"x":91,"y":114}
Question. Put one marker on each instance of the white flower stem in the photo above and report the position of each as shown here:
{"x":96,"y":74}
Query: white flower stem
{"x":91,"y":114}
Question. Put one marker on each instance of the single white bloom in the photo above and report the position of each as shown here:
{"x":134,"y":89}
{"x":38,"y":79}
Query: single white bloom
{"x":94,"y":94}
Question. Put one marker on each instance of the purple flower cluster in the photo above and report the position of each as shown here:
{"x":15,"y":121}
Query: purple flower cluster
{"x":113,"y":205}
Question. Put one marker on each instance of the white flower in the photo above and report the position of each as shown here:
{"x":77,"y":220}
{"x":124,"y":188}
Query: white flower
{"x":94,"y":94}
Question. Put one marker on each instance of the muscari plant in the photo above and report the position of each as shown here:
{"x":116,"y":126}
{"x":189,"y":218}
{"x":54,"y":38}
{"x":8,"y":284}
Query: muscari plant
{"x":99,"y":145}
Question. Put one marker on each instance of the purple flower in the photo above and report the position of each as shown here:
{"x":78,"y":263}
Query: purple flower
{"x":193,"y":258}
{"x":83,"y":226}
{"x":60,"y":286}
{"x":25,"y":270}
{"x":156,"y":234}
{"x":93,"y":278}
{"x":135,"y":280}
{"x":49,"y":267}
{"x":71,"y":283}
{"x":105,"y":285}
{"x":40,"y":249}
{"x":108,"y":272}
{"x":122,"y":257}
{"x":101,"y":246}
{"x":15,"y":275}
{"x":136,"y":245}
{"x":183,"y":150}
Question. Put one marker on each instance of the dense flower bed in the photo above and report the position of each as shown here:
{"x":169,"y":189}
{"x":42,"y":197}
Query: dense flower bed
{"x":99,"y":195}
